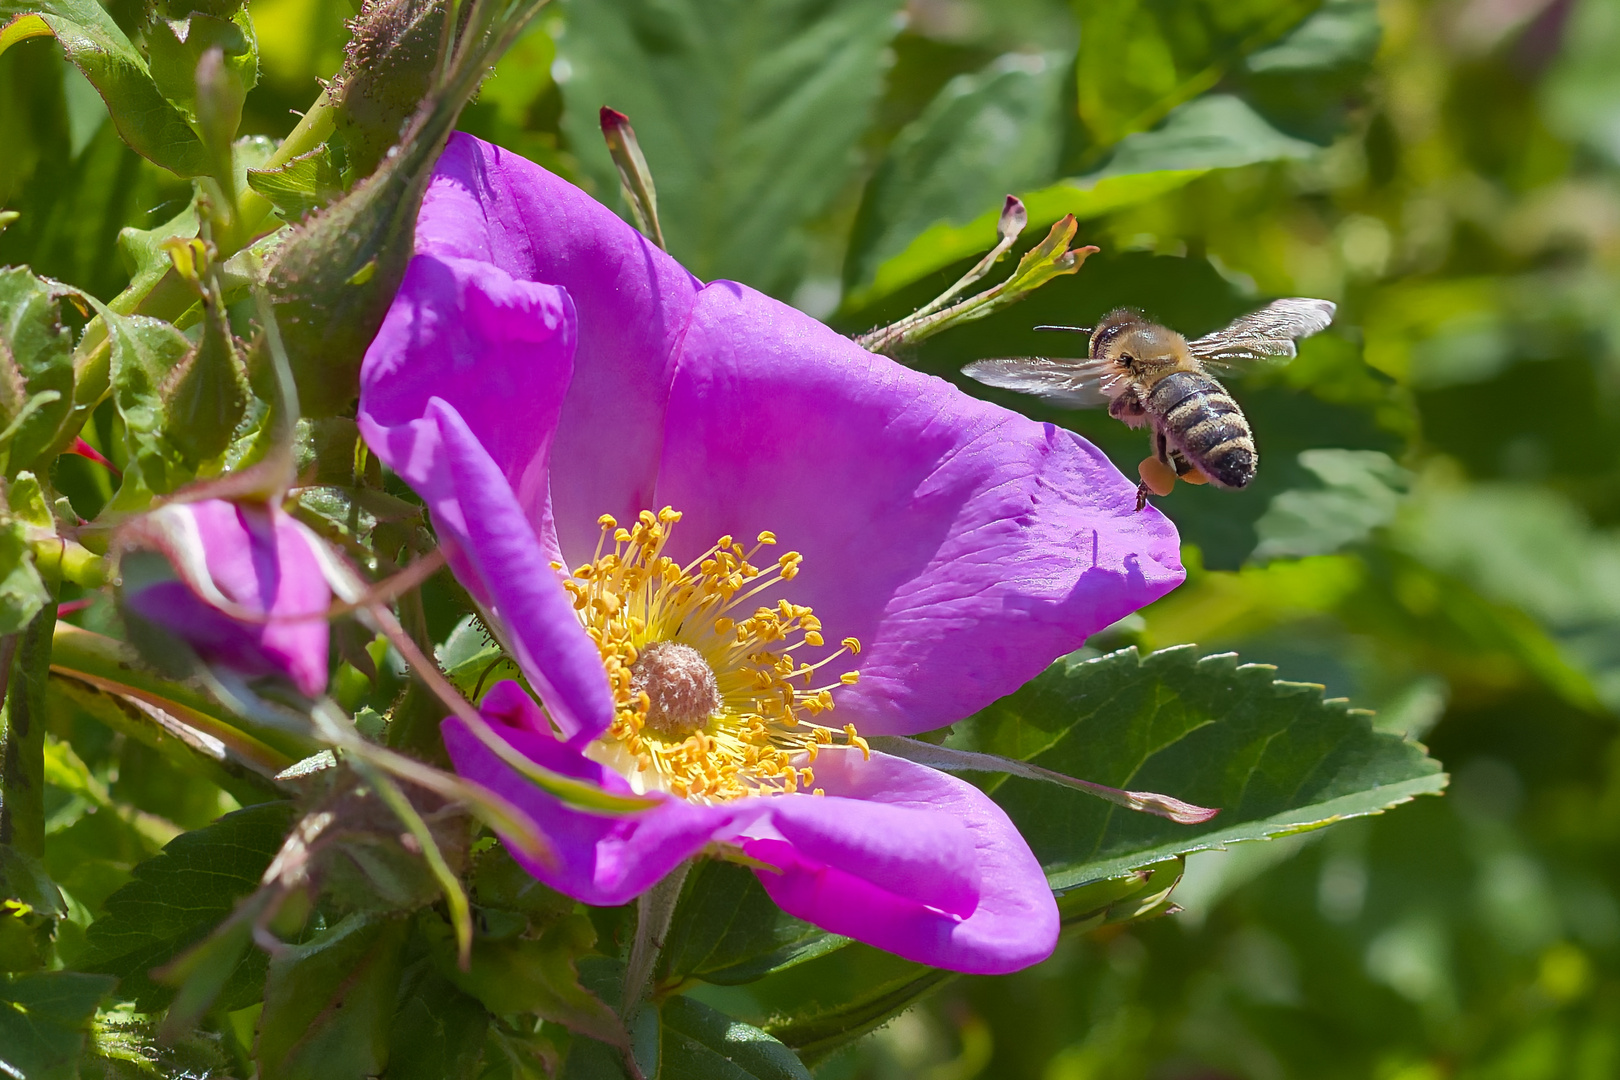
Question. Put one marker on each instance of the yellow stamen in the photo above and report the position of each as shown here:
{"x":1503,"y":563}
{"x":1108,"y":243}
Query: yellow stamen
{"x":631,"y":597}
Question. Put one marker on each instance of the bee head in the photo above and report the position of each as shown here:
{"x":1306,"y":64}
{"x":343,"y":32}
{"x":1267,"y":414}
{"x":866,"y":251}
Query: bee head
{"x":1135,"y":345}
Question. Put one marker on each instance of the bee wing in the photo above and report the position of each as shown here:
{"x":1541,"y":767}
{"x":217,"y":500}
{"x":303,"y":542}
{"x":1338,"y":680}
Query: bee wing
{"x":1269,"y":332}
{"x":1076,"y":383}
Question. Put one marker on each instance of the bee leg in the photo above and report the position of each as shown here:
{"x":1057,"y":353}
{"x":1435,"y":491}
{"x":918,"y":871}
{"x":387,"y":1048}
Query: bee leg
{"x":1186,"y":471}
{"x":1157,"y":478}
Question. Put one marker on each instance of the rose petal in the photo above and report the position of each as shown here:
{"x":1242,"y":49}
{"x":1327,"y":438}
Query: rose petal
{"x":497,"y":350}
{"x":964,"y":545}
{"x":632,"y":301}
{"x":1014,"y":924}
{"x":261,"y":560}
{"x":525,"y":593}
{"x":922,"y":856}
{"x":468,"y":372}
{"x":600,"y":859}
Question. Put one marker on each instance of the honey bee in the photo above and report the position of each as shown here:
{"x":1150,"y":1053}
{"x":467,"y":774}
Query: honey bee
{"x":1150,"y":375}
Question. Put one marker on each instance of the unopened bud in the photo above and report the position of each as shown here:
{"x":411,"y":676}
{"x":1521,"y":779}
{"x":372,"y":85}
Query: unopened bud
{"x":1013,"y":219}
{"x":241,"y":583}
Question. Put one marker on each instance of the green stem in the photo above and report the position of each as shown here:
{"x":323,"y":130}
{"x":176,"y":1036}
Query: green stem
{"x":114,"y":666}
{"x":654,"y":910}
{"x":22,"y":735}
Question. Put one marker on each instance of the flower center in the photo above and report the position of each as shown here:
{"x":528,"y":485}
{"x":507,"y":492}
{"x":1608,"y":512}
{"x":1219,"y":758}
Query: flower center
{"x":711,"y":700}
{"x":682,"y":692}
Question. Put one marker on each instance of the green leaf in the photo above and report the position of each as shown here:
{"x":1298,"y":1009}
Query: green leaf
{"x":1138,"y":61}
{"x":1218,"y":131}
{"x":43,"y":1021}
{"x":1582,"y":92}
{"x":1304,"y":83}
{"x":1273,"y":756}
{"x":472,"y":660}
{"x":143,"y":252}
{"x":818,"y":1007}
{"x":35,"y":362}
{"x":146,"y":353}
{"x":699,"y":1043}
{"x":126,"y":1046}
{"x":437,"y":1033}
{"x":301,"y":186}
{"x":175,"y":46}
{"x":22,"y":878}
{"x":1140,"y":894}
{"x":328,"y":1003}
{"x":1533,"y":549}
{"x":22,"y":590}
{"x":176,"y":898}
{"x":95,"y":44}
{"x":748,"y":112}
{"x":984,"y":135}
{"x":727,"y":930}
{"x":1360,"y":491}
{"x":536,"y":975}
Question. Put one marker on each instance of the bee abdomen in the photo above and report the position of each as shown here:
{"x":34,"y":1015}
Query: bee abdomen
{"x":1206,"y":425}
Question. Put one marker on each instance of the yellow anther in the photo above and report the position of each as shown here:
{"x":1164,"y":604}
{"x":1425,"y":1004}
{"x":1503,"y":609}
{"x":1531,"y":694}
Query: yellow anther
{"x":634,"y":596}
{"x":852,"y":644}
{"x":850,"y":678}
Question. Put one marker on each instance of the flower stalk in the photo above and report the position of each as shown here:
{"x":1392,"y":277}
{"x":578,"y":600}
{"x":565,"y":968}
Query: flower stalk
{"x":1051,"y":258}
{"x":654,"y":910}
{"x":25,"y":659}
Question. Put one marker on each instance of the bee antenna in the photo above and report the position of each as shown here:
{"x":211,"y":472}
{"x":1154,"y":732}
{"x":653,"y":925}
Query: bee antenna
{"x":1070,"y":329}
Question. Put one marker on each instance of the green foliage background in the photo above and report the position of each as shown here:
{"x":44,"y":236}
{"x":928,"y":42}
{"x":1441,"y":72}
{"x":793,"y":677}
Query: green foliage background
{"x":1435,"y":532}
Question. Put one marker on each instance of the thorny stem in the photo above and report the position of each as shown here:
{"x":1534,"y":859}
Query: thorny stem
{"x":654,"y":910}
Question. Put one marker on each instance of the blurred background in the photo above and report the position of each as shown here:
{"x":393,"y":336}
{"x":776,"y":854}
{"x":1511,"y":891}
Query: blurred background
{"x":1433,"y":533}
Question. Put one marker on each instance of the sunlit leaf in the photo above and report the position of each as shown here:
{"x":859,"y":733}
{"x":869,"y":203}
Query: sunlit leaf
{"x":983,"y":136}
{"x":748,"y":114}
{"x":1273,"y":756}
{"x":94,"y":42}
{"x":36,"y":369}
{"x":43,"y":1020}
{"x":696,"y":1042}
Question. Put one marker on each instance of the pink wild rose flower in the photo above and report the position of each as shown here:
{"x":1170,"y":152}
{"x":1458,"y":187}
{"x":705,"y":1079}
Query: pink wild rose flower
{"x":725,"y":544}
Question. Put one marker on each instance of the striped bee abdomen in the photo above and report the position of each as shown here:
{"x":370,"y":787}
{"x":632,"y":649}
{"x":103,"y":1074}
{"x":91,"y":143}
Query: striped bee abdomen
{"x":1205,"y":424}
